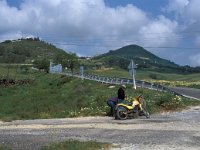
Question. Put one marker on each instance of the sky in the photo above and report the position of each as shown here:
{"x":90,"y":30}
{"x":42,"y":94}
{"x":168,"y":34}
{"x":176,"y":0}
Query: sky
{"x":167,"y":28}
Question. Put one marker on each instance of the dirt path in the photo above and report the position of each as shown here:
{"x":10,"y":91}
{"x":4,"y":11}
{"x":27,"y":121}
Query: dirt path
{"x":180,"y":130}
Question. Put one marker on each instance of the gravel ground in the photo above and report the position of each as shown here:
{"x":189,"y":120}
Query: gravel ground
{"x":173,"y":131}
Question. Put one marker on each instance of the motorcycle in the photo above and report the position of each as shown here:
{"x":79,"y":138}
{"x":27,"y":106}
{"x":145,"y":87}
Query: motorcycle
{"x":133,"y":109}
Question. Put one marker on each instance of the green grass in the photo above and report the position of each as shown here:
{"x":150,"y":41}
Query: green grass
{"x":16,"y":71}
{"x":141,"y":74}
{"x":77,"y":145}
{"x":112,"y":72}
{"x":5,"y":148}
{"x":55,"y":96}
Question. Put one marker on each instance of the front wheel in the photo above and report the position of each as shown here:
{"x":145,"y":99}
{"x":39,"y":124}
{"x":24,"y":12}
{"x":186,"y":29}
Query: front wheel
{"x":145,"y":112}
{"x":121,"y":113}
{"x":147,"y":115}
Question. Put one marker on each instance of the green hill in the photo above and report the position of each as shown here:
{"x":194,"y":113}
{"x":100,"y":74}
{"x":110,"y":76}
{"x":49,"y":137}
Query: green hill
{"x":31,"y":49}
{"x":27,"y":50}
{"x":143,"y":58}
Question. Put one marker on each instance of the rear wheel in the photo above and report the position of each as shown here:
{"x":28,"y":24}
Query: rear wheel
{"x":121,"y":113}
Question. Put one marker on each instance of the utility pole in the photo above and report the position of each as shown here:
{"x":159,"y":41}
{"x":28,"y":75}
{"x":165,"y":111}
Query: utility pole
{"x":81,"y":71}
{"x":132,"y":71}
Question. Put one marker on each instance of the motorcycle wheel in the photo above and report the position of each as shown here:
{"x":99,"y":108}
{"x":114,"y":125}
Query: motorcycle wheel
{"x":147,"y":115}
{"x":121,"y":113}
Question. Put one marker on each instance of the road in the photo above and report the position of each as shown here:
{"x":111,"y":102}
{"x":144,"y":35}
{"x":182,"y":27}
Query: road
{"x":178,"y":130}
{"x":188,"y":92}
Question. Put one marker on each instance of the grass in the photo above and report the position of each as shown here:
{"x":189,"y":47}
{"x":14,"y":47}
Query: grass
{"x":52,"y":97}
{"x":5,"y":148}
{"x":78,"y":145}
{"x":55,"y":96}
{"x":15,"y":71}
{"x":110,"y":72}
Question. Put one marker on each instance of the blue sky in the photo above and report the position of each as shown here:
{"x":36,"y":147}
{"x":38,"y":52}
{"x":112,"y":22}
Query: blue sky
{"x":151,"y":6}
{"x":167,"y":28}
{"x":14,"y":3}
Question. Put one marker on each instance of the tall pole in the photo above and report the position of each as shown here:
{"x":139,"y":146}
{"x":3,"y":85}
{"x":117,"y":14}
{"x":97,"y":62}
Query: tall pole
{"x":81,"y":71}
{"x":133,"y":74}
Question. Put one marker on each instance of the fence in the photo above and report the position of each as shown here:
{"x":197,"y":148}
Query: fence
{"x":118,"y":81}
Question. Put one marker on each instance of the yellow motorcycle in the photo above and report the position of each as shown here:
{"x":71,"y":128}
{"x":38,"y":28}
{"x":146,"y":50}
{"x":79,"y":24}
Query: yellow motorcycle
{"x":133,"y":109}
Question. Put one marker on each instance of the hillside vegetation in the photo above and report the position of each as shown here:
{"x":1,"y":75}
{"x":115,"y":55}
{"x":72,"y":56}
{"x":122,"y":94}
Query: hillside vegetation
{"x":142,"y":58}
{"x":32,"y":50}
{"x":27,"y":50}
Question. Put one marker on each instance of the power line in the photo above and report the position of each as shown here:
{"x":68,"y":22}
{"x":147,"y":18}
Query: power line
{"x":161,"y":47}
{"x":112,"y":41}
{"x":83,"y":37}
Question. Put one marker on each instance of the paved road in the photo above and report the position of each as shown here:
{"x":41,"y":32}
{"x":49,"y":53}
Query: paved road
{"x":180,"y":130}
{"x":189,"y":92}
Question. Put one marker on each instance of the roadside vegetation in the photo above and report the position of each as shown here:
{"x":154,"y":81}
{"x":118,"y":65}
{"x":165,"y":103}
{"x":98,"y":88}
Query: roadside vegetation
{"x":56,"y":96}
{"x":5,"y":148}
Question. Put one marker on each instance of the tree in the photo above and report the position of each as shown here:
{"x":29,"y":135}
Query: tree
{"x":42,"y":64}
{"x":61,"y":58}
{"x":67,"y":60}
{"x":72,"y":62}
{"x":98,"y":65}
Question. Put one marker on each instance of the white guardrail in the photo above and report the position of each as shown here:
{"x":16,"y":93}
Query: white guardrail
{"x":118,"y":81}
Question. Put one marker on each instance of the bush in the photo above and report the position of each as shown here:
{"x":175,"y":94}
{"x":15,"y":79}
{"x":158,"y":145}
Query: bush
{"x":42,"y":64}
{"x":170,"y":102}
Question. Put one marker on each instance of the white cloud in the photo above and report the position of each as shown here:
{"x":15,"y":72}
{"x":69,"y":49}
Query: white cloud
{"x":11,"y":36}
{"x":76,"y":21}
{"x":192,"y":12}
{"x":193,"y":20}
{"x":188,"y":13}
{"x":159,"y":32}
{"x":197,"y":41}
{"x":195,"y":60}
{"x":90,"y":27}
{"x":177,"y":6}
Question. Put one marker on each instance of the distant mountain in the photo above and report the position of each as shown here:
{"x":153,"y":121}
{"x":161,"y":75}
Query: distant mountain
{"x":27,"y":50}
{"x":143,"y":58}
{"x":30,"y":49}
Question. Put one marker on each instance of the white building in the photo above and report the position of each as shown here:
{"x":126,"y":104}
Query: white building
{"x":55,"y":68}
